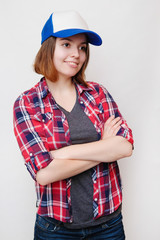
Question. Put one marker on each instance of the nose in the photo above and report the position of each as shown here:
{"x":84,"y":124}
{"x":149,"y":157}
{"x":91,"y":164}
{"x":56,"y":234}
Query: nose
{"x":75,"y":52}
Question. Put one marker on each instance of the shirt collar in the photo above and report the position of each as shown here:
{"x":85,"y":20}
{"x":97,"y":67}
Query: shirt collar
{"x":81,"y":88}
{"x":43,"y":87}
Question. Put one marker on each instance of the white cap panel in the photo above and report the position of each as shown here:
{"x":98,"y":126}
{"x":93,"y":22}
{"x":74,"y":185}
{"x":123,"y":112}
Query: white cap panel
{"x":67,"y":20}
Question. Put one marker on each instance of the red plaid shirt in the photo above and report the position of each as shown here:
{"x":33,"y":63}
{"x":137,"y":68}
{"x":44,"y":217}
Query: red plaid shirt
{"x":40,"y":126}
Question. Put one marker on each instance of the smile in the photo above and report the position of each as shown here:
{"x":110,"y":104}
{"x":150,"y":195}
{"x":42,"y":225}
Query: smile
{"x":73,"y":64}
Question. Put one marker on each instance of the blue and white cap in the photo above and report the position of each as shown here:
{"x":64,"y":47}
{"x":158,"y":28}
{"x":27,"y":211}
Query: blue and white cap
{"x":66,"y":24}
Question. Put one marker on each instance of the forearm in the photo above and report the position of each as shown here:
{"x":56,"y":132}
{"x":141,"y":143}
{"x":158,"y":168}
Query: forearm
{"x":60,"y":169}
{"x":107,"y":150}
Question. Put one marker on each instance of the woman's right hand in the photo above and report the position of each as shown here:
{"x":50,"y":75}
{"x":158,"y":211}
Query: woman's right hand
{"x":111,"y":127}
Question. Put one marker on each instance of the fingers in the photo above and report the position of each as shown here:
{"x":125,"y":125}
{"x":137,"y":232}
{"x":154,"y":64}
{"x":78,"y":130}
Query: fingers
{"x":116,"y":121}
{"x":116,"y":127}
{"x":112,"y":126}
{"x":110,"y":119}
{"x":113,"y":122}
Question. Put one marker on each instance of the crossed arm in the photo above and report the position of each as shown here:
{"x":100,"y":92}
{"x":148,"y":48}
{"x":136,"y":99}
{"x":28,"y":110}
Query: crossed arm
{"x":74,"y":159}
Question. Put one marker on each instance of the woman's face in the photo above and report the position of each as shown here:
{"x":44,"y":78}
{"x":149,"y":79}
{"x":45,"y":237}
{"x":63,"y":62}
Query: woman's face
{"x":70,"y":55}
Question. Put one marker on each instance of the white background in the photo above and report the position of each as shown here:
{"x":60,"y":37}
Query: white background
{"x":127,"y":64}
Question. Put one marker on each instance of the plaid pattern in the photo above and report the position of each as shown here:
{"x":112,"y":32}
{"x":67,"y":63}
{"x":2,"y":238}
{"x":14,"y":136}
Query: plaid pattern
{"x":40,"y":126}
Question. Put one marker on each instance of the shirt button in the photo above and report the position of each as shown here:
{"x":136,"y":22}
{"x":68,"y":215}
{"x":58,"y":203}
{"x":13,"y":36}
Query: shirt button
{"x":81,"y":102}
{"x":96,"y":199}
{"x":43,"y":120}
{"x":31,"y":154}
{"x":94,"y":181}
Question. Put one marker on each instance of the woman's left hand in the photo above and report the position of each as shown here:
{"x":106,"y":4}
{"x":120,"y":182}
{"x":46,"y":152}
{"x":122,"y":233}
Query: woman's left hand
{"x":111,"y":127}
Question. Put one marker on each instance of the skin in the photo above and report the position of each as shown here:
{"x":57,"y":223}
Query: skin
{"x":69,"y":56}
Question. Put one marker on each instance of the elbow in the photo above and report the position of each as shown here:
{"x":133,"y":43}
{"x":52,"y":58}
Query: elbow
{"x":42,"y":183}
{"x":128,"y":149}
{"x":40,"y":178}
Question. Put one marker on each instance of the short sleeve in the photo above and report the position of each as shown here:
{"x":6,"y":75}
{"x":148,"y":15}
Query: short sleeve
{"x":30,"y":136}
{"x":110,"y":108}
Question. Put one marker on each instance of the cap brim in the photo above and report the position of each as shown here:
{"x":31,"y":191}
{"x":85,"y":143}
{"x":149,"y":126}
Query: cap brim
{"x":92,"y":37}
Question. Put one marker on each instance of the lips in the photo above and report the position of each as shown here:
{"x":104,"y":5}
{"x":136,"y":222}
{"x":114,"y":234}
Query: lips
{"x":72,"y":64}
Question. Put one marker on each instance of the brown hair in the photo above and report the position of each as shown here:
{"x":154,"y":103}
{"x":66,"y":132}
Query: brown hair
{"x":44,"y":62}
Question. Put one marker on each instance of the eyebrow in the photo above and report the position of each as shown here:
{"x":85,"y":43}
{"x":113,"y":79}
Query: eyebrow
{"x":68,"y":39}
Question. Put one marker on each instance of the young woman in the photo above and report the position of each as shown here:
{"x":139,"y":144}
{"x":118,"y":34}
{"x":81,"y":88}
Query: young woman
{"x":71,"y":134}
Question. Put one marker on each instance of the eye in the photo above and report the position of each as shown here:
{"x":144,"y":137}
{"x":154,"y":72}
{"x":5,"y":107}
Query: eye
{"x":66,"y":44}
{"x":83,"y":48}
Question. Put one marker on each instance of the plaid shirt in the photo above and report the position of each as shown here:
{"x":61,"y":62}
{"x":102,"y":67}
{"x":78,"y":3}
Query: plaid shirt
{"x":40,"y":126}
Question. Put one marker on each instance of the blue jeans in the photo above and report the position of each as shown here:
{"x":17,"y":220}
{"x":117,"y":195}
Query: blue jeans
{"x":48,"y":229}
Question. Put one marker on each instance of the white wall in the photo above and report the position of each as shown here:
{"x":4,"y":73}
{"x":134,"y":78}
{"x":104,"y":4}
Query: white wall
{"x":127,"y":64}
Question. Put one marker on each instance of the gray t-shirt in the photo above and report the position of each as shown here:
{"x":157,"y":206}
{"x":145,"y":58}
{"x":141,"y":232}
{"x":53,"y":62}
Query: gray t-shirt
{"x":82,"y":130}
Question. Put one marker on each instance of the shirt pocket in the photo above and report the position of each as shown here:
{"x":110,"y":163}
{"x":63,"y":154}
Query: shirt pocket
{"x":100,"y":112}
{"x":46,"y":123}
{"x":53,"y":130}
{"x":43,"y":117}
{"x":97,"y":113}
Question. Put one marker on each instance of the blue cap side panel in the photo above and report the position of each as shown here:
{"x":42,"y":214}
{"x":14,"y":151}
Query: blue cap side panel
{"x":47,"y":30}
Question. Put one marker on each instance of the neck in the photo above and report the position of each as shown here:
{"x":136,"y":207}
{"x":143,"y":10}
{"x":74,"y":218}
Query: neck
{"x":61,"y":85}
